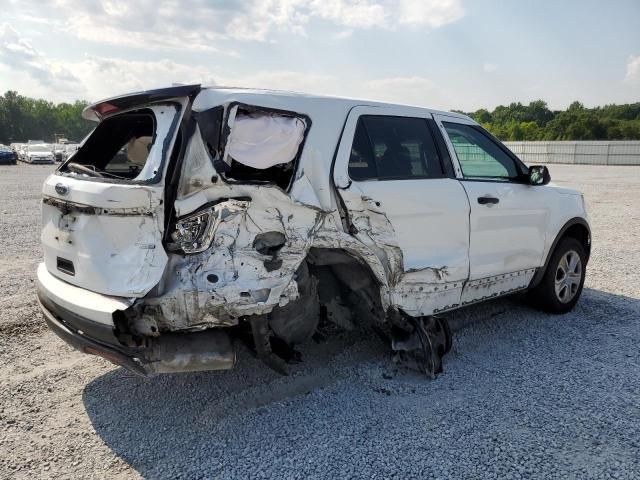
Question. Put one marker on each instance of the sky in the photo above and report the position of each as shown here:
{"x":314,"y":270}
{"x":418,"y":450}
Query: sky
{"x":445,"y":54}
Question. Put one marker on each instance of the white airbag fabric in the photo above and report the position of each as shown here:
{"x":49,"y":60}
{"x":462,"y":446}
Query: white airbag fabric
{"x":262,"y":141}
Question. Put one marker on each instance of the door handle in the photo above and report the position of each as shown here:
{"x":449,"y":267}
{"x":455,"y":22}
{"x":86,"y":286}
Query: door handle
{"x":488,"y":200}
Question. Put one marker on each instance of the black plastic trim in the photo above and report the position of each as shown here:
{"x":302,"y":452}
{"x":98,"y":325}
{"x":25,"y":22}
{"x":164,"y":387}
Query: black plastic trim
{"x":342,"y":207}
{"x":174,"y":170}
{"x":88,"y":345}
{"x":441,"y":147}
{"x":537,"y":278}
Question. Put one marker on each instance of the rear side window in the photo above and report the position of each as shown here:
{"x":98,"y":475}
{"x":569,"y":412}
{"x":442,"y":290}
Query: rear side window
{"x":387,"y":148}
{"x":479,"y":156}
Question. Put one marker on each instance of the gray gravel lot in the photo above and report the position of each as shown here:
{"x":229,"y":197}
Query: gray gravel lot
{"x":523,"y":395}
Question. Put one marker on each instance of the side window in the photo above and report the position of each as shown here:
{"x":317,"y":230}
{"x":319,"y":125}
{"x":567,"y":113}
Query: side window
{"x":387,"y":148}
{"x":362,"y":165}
{"x":479,"y":156}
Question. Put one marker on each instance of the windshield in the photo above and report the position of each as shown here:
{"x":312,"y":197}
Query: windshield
{"x":39,"y":148}
{"x":4,"y":149}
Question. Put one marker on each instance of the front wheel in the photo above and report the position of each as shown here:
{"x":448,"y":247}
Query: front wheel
{"x":562,"y":283}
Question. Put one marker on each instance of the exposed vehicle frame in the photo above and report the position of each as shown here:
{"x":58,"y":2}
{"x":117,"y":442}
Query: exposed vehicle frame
{"x":158,"y":267}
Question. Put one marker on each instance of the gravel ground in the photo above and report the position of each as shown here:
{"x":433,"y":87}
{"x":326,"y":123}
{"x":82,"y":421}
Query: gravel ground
{"x":523,"y":395}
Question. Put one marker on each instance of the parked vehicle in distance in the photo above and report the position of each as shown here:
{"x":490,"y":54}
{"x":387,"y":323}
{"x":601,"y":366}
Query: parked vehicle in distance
{"x":17,"y":149}
{"x":7,"y":156}
{"x":69,"y":150}
{"x":22,"y":152}
{"x":58,"y":151}
{"x":236,"y":214}
{"x":38,"y":153}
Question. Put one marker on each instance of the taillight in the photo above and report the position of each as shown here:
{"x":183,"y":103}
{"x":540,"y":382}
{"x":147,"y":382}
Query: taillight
{"x":194,"y":233}
{"x":105,"y":108}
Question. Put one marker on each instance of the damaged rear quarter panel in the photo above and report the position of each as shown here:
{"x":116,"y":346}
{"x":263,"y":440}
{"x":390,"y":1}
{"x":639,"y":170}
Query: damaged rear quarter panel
{"x":231,"y":278}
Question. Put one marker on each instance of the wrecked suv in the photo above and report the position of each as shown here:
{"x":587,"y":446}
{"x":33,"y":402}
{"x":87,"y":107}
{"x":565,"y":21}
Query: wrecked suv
{"x":192,"y":218}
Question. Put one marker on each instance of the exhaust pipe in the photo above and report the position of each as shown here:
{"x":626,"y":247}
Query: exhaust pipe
{"x":190,"y":352}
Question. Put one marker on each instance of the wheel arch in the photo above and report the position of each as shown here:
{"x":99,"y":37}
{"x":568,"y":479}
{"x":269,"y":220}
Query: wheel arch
{"x":577,"y":228}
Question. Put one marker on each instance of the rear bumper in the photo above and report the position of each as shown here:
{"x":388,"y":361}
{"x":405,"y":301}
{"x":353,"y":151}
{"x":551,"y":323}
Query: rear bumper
{"x":84,"y":320}
{"x":83,"y":340}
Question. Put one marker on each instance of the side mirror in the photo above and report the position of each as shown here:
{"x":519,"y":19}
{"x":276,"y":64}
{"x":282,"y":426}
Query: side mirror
{"x":539,"y":175}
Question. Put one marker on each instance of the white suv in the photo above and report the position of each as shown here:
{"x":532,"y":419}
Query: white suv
{"x":194,"y":217}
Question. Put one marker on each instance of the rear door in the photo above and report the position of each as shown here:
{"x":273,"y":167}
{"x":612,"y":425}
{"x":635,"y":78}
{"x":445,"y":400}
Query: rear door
{"x":508,"y":217}
{"x":389,"y":171}
{"x":103,"y":210}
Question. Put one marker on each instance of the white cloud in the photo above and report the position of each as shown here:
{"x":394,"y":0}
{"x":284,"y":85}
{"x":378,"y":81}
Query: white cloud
{"x":96,"y":77}
{"x":489,"y":67}
{"x":406,"y":90}
{"x":25,"y":68}
{"x":633,"y":70}
{"x":17,"y":55}
{"x":200,"y":25}
{"x":105,"y":77}
{"x":434,"y":13}
{"x":350,"y":13}
{"x":387,"y":13}
{"x":285,"y":80}
{"x":343,"y":34}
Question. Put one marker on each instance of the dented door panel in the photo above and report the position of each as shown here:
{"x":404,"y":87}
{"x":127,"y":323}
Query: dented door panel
{"x":418,"y":229}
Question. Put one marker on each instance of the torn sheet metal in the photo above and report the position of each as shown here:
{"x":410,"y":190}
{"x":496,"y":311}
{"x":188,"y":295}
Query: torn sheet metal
{"x":236,"y":276}
{"x":241,"y":273}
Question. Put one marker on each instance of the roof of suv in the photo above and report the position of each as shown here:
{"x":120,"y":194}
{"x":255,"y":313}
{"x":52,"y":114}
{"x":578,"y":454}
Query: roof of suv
{"x":294,"y":100}
{"x":208,"y":97}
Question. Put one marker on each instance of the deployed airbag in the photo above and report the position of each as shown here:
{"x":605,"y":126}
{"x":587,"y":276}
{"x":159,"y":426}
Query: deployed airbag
{"x":263,"y":140}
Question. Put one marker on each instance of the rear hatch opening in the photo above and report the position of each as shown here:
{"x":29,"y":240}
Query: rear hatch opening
{"x":125,"y":147}
{"x":103,"y":211}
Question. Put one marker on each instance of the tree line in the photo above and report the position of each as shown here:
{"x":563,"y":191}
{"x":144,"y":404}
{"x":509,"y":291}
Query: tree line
{"x":23,"y":118}
{"x":537,"y":122}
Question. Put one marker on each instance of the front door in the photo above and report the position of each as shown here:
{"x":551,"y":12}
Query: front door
{"x":508,"y":217}
{"x":391,"y":179}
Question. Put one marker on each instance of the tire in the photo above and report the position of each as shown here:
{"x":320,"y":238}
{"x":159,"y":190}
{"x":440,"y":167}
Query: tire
{"x":561,"y":286}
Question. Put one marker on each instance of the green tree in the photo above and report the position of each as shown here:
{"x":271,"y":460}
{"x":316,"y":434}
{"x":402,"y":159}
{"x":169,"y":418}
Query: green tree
{"x":23,"y":118}
{"x":536,"y":121}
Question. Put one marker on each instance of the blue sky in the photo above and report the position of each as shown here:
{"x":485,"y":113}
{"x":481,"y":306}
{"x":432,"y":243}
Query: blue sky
{"x":462,"y":54}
